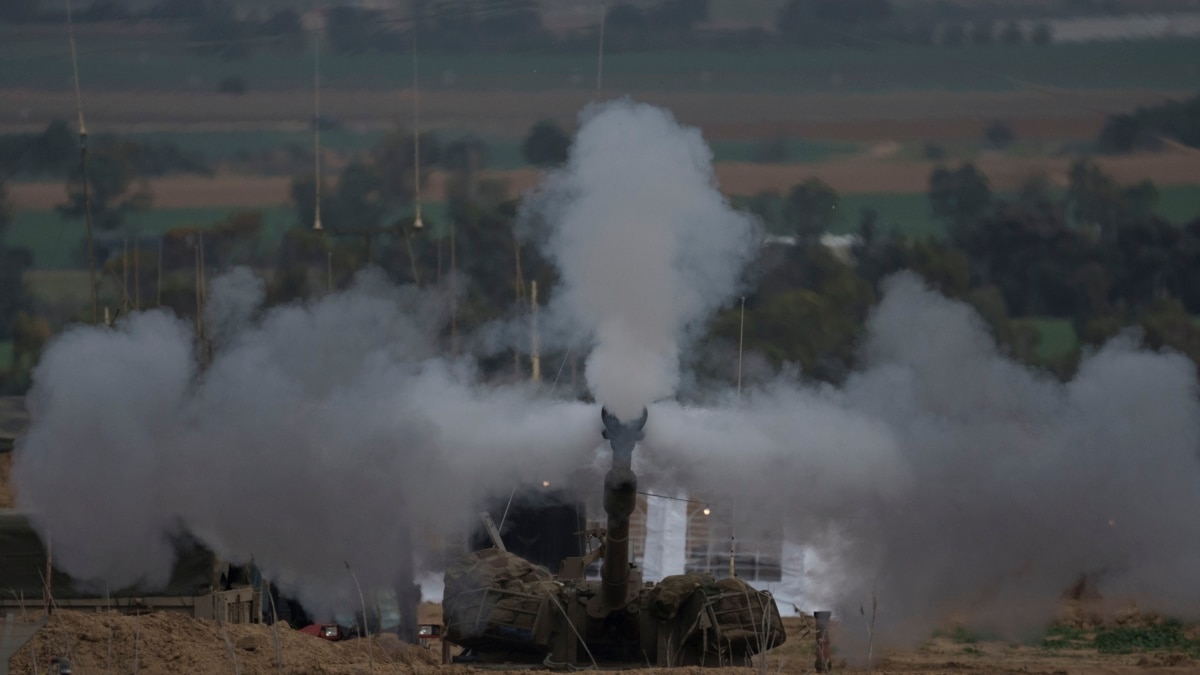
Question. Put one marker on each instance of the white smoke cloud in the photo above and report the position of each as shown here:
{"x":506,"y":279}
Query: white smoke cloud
{"x":954,"y":480}
{"x":942,"y":476}
{"x":322,"y":434}
{"x":646,"y":246}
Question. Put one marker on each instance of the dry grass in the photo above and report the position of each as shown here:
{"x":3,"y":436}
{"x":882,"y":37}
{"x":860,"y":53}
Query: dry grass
{"x":103,"y":644}
{"x":864,"y":174}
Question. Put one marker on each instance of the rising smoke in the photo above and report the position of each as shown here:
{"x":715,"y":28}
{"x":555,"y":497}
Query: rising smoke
{"x":953,"y":480}
{"x":647,"y":248}
{"x":941,"y":477}
{"x":321,"y":435}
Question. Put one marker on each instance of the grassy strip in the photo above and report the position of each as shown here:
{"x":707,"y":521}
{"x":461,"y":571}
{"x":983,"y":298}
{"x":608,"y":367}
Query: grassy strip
{"x":59,"y":243}
{"x":148,"y":61}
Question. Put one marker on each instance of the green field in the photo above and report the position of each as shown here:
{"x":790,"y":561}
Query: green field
{"x":39,"y":60}
{"x":1056,"y":337}
{"x":910,"y":211}
{"x":907,"y":212}
{"x":59,"y":243}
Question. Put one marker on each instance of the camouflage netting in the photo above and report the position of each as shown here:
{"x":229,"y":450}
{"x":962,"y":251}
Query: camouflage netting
{"x":743,"y":614}
{"x":746,"y":614}
{"x":494,"y":591}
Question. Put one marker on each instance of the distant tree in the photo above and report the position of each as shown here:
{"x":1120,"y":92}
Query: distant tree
{"x":1012,"y":34}
{"x":1122,"y":133}
{"x":13,"y":263}
{"x":1167,"y":325}
{"x":1146,"y":127}
{"x":357,"y":201}
{"x":1095,"y":199}
{"x":1030,"y":256}
{"x":943,"y":267}
{"x":52,"y":152}
{"x":30,"y":334}
{"x":114,"y":190}
{"x":868,"y":226}
{"x":394,"y":158}
{"x":770,"y":208}
{"x":1042,"y":35}
{"x":808,"y":310}
{"x":546,"y":145}
{"x":982,"y":32}
{"x":934,"y":151}
{"x":960,"y":196}
{"x":812,"y":208}
{"x":953,"y":35}
{"x":232,"y":84}
{"x":998,"y":134}
{"x":1036,"y":194}
{"x":466,"y":158}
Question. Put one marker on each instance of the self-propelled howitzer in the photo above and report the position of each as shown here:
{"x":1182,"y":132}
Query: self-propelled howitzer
{"x":502,"y":608}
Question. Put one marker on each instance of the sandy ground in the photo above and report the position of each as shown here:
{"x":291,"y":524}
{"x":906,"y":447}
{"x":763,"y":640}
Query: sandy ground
{"x":868,"y":173}
{"x":165,"y":643}
{"x":104,"y":643}
{"x":1041,"y":113}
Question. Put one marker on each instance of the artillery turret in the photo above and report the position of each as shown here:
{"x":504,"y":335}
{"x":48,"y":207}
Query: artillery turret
{"x":501,"y":608}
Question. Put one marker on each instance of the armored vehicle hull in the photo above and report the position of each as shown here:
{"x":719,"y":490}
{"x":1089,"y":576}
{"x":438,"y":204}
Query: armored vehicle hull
{"x":502,"y":608}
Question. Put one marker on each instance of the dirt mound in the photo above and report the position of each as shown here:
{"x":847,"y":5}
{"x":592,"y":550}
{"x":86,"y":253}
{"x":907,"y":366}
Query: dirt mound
{"x":108,"y":643}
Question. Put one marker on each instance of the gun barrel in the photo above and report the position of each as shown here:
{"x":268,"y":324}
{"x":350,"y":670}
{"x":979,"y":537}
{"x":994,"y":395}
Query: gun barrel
{"x":620,"y":497}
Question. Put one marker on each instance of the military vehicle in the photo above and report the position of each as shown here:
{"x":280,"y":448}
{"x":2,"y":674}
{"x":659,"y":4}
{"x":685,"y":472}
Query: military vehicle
{"x":501,"y":608}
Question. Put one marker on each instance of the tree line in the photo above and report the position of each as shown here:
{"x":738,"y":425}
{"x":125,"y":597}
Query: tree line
{"x":1092,"y":252}
{"x":226,"y":29}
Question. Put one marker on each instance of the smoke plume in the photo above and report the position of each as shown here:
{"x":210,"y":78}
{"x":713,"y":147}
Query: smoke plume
{"x":945,"y":478}
{"x":320,"y":435}
{"x":646,"y":246}
{"x":942,"y":477}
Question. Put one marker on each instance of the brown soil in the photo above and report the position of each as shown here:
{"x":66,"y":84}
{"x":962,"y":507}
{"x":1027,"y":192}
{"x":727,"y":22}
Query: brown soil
{"x":105,"y":643}
{"x":853,"y":175}
{"x":175,"y":192}
{"x":171,"y":643}
{"x":1041,"y":113}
